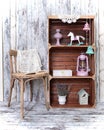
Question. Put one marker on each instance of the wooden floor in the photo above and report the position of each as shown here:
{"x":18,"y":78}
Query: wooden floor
{"x":38,"y":118}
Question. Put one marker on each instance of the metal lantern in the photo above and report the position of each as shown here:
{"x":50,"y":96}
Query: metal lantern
{"x":82,"y":65}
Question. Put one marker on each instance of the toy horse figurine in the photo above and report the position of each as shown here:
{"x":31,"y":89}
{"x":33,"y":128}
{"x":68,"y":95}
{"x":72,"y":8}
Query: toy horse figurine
{"x":75,"y":38}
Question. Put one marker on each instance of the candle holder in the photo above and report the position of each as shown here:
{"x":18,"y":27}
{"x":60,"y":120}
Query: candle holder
{"x":57,"y":36}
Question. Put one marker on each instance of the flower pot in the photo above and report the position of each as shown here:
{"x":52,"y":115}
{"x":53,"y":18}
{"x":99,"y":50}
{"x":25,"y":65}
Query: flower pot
{"x":61,"y":99}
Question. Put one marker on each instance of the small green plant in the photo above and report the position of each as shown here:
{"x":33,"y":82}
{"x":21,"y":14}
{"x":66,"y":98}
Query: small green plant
{"x":63,"y":89}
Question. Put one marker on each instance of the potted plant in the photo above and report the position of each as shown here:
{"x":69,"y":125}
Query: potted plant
{"x":63,"y":90}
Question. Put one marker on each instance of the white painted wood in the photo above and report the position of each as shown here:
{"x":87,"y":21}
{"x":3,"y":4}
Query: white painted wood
{"x":28,"y":23}
{"x":96,"y":13}
{"x":34,"y":23}
{"x":75,"y":7}
{"x":1,"y":55}
{"x":101,"y":47}
{"x":38,"y":118}
{"x":13,"y":36}
{"x":6,"y":45}
{"x":13,"y":23}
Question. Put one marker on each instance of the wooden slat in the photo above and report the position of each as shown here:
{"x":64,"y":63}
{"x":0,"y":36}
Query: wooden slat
{"x":76,"y":86}
{"x":13,"y":38}
{"x":64,"y":58}
{"x":13,"y":53}
{"x":6,"y":46}
{"x":76,"y":28}
{"x":1,"y":55}
{"x":13,"y":23}
{"x":28,"y":33}
{"x":82,"y":17}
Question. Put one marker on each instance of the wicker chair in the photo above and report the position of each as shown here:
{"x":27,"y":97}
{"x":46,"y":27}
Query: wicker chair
{"x":23,"y":79}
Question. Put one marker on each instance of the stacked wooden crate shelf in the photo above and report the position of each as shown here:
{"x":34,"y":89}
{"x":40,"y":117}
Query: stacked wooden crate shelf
{"x":64,"y":57}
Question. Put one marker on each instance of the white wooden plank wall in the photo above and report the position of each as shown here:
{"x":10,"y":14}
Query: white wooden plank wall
{"x":101,"y":48}
{"x":6,"y":46}
{"x":1,"y":55}
{"x":25,"y":26}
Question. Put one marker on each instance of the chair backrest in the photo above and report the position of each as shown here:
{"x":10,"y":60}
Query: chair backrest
{"x":13,"y":63}
{"x":28,"y":61}
{"x":25,"y":61}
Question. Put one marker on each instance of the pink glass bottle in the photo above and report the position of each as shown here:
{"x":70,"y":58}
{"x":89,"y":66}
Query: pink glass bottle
{"x":57,"y":36}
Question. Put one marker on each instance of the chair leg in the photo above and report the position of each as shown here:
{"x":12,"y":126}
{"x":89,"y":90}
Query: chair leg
{"x":11,"y":87}
{"x":45,"y":81}
{"x":22,"y":98}
{"x":31,"y":93}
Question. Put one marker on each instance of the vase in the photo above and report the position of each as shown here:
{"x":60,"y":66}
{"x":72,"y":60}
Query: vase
{"x":57,"y":36}
{"x":61,"y":99}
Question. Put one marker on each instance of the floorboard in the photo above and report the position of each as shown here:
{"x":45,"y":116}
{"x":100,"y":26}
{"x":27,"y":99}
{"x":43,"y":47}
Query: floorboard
{"x":38,"y":118}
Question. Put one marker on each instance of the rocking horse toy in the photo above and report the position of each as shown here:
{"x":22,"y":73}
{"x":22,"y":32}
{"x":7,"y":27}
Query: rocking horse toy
{"x":75,"y":38}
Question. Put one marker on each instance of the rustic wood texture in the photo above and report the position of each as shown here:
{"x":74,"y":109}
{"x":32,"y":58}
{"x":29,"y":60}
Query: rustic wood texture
{"x":1,"y":55}
{"x":6,"y":46}
{"x":76,"y":28}
{"x":72,"y":97}
{"x":64,"y":57}
{"x":38,"y":118}
{"x":101,"y":50}
{"x":28,"y":29}
{"x":28,"y":34}
{"x":23,"y":79}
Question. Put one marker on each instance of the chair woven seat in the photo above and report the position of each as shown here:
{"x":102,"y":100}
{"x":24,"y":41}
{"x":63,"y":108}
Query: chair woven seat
{"x":31,"y":75}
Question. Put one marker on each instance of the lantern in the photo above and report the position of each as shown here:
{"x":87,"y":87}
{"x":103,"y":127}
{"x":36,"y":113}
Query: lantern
{"x":82,"y":65}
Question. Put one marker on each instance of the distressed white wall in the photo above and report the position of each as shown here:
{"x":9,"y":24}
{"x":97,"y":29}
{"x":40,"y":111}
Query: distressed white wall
{"x":25,"y":26}
{"x":1,"y":55}
{"x":101,"y":48}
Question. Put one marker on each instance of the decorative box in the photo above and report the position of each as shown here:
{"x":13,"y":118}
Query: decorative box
{"x":62,"y":72}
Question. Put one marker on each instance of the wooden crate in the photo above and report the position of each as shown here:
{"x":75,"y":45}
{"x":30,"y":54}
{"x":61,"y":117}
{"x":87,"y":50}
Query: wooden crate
{"x":72,"y":98}
{"x":76,"y":28}
{"x":64,"y":57}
